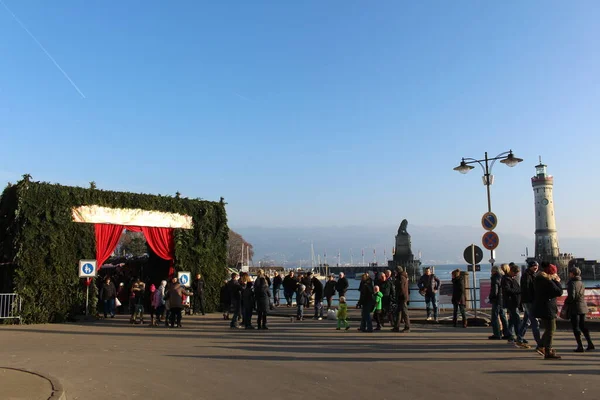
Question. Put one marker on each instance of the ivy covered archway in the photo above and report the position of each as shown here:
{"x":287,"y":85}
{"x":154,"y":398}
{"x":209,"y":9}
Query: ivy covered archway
{"x":40,"y":239}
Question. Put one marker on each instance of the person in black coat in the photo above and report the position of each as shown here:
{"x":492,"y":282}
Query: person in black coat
{"x":342,"y":285}
{"x":329,"y":290}
{"x":578,"y":309}
{"x":459,"y":298}
{"x":511,"y":293}
{"x":262,"y":295}
{"x":318,"y":292}
{"x":498,"y":314}
{"x":235,"y":296}
{"x":290,"y":285}
{"x":367,"y":302}
{"x":527,"y":297}
{"x":547,"y":289}
{"x":248,"y":303}
{"x":108,"y":294}
{"x":277,"y":282}
{"x":306,"y":280}
{"x":198,"y":289}
{"x":224,"y":300}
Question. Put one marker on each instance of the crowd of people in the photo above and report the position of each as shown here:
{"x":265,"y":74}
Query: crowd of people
{"x":165,"y":303}
{"x":535,"y":295}
{"x":383,"y":299}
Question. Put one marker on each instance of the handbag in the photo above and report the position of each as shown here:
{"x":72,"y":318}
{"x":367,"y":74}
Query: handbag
{"x":117,"y":302}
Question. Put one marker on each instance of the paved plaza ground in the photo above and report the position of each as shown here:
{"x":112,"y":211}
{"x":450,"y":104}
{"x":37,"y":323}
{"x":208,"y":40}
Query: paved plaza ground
{"x":307,"y":360}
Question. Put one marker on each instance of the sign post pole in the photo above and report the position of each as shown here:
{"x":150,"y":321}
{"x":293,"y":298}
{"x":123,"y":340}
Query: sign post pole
{"x":87,"y":299}
{"x":474,"y":280}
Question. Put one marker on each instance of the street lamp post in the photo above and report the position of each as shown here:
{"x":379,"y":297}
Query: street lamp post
{"x":465,"y":166}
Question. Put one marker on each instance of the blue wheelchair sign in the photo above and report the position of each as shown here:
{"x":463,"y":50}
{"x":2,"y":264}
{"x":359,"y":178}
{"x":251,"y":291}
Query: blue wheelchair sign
{"x":184,"y":278}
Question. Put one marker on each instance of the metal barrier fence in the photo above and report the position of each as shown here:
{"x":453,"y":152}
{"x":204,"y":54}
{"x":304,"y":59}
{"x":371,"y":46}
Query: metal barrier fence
{"x":10,"y":306}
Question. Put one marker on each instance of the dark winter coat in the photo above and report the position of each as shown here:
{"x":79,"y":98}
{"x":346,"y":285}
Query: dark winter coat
{"x":401,"y":287}
{"x":546,"y":292}
{"x":329,"y":290}
{"x":496,"y":290}
{"x":248,"y":300}
{"x":389,"y":293}
{"x":366,"y":294}
{"x":108,"y":291}
{"x":511,"y":292}
{"x":289,"y":284}
{"x":301,"y":298}
{"x":459,"y":295}
{"x":342,"y":286}
{"x":198,"y":287}
{"x":527,"y":287}
{"x":224,"y":297}
{"x":261,"y":289}
{"x":307,"y":282}
{"x":277,"y":281}
{"x":317,"y":289}
{"x":576,"y":296}
{"x":430,"y":283}
{"x":235,"y":292}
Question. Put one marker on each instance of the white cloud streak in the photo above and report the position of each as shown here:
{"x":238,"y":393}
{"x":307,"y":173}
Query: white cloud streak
{"x":43,"y":49}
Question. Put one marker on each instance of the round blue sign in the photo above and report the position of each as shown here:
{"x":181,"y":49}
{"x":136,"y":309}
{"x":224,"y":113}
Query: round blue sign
{"x":87,"y":269}
{"x":184,"y":279}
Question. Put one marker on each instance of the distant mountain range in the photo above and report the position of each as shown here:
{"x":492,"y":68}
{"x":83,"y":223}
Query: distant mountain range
{"x":438,"y":245}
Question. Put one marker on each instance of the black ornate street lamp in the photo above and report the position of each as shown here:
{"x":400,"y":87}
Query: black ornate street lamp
{"x":507,"y":158}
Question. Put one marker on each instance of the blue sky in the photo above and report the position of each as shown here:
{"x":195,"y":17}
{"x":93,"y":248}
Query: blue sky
{"x":309,"y":113}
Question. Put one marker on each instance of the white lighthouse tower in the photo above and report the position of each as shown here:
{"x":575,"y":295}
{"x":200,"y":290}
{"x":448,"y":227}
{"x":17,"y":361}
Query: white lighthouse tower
{"x":546,"y":236}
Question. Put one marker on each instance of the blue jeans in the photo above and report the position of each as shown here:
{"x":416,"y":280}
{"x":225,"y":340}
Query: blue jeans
{"x":276,"y":296}
{"x":514,"y":324}
{"x":498,"y":312}
{"x":365,"y":322}
{"x":288,"y":297}
{"x":236,"y":314}
{"x":529,"y":319}
{"x":300,"y":313}
{"x":109,"y":307}
{"x":431,"y":299}
{"x":318,"y":308}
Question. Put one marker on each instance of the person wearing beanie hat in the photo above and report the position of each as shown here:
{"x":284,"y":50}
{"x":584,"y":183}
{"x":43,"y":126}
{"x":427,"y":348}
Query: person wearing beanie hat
{"x":577,"y":308}
{"x":547,"y":288}
{"x":527,"y":298}
{"x":301,"y":300}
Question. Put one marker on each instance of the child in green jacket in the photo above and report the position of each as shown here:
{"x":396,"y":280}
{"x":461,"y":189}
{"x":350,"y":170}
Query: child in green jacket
{"x":342,"y":314}
{"x":377,"y":311}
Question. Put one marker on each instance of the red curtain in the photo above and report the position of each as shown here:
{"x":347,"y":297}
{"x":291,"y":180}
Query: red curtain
{"x":160,"y":240}
{"x":107,"y":238}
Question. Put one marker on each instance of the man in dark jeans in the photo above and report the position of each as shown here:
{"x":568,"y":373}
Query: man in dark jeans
{"x":497,"y":308}
{"x":402,"y":299}
{"x":277,"y":281}
{"x":431,"y":285}
{"x":235,"y":296}
{"x":108,"y":293}
{"x":198,"y":289}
